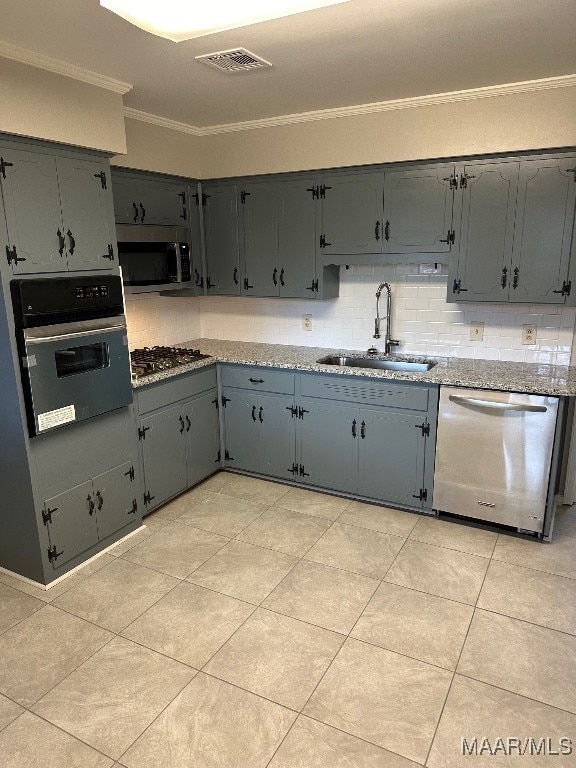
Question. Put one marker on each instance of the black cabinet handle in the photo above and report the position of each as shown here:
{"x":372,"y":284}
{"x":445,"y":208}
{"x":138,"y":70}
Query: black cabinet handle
{"x":181,"y":424}
{"x":90,"y":501}
{"x":197,"y":280}
{"x":354,"y":428}
{"x":100,"y":500}
{"x":363,"y":430}
{"x":236,"y":275}
{"x":282,"y":277}
{"x":135,"y":212}
{"x":72,"y":242}
{"x":253,"y":413}
{"x":274,"y":277}
{"x":143,"y":213}
{"x":377,"y":231}
{"x":61,"y":243}
{"x":256,"y":381}
{"x":260,"y":412}
{"x":516,"y":279}
{"x":504,"y":278}
{"x":387,"y":231}
{"x":188,"y":423}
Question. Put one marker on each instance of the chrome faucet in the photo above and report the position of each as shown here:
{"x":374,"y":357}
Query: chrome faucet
{"x":388,"y":342}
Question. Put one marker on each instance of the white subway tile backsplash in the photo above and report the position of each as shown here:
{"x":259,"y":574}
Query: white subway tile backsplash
{"x":421,"y":318}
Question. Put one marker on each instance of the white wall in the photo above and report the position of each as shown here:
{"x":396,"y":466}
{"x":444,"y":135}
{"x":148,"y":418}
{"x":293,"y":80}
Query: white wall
{"x":44,"y":105}
{"x":152,"y":148}
{"x":421,"y":319}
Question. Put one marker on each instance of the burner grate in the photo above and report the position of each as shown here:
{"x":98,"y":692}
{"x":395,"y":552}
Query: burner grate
{"x":154,"y":359}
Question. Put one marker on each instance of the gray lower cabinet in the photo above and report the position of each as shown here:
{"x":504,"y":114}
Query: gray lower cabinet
{"x":260,"y":433}
{"x":58,"y":211}
{"x":91,"y":512}
{"x":179,"y":434}
{"x":221,"y":239}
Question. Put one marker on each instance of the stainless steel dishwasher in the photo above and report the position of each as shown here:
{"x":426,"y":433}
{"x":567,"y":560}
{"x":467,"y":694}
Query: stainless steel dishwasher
{"x":493,"y":455}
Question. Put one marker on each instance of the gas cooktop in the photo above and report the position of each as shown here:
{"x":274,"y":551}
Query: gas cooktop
{"x":152,"y":360}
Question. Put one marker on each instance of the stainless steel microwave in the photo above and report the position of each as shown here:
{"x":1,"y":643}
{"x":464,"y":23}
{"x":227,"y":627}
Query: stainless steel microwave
{"x":154,"y":258}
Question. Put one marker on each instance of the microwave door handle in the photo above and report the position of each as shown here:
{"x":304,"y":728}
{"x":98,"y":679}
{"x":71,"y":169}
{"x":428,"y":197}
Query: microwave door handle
{"x":75,"y":335}
{"x":176,"y":247}
{"x":495,"y":405}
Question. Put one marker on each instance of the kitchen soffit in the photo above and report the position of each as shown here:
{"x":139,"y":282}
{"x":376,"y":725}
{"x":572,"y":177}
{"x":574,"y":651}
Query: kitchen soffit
{"x":358,"y":52}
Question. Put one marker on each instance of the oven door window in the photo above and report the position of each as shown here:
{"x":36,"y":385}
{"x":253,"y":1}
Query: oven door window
{"x":148,"y":263}
{"x":82,"y":359}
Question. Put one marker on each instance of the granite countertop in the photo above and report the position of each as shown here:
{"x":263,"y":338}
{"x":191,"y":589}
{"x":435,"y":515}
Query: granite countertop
{"x":535,"y":378}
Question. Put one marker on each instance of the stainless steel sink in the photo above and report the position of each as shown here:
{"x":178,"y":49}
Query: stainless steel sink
{"x":373,"y":362}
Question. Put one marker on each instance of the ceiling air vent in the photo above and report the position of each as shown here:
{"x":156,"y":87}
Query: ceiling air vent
{"x":236,"y":60}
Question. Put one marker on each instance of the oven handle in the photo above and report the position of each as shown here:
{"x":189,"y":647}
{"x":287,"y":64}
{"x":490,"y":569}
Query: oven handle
{"x":75,"y":335}
{"x":496,"y":405}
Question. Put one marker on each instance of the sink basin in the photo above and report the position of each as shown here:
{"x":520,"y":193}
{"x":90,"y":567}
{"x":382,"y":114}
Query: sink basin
{"x":374,"y":362}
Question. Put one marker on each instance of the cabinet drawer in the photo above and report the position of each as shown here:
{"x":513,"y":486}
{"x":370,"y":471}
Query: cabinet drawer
{"x":364,"y":392}
{"x":179,"y":388}
{"x":260,"y":379}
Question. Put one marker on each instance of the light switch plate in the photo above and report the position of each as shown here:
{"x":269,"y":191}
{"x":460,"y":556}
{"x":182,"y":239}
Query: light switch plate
{"x":476,"y":331}
{"x":528,"y":334}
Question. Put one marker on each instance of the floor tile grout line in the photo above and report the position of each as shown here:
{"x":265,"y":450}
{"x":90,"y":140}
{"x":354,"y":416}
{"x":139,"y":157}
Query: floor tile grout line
{"x":282,"y":741}
{"x":525,"y":621}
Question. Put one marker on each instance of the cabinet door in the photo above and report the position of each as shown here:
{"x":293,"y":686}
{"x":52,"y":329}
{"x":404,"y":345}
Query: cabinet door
{"x":352,"y":212}
{"x":86,"y":213}
{"x":418,"y":211}
{"x":221,"y":240}
{"x":163,"y":203}
{"x":240,"y":418}
{"x":391,"y":456}
{"x":486,"y":233}
{"x":259,"y":206}
{"x":33,"y":213}
{"x":297,"y":238}
{"x":164,"y":454}
{"x":126,"y":193}
{"x":276,"y":435}
{"x":328,"y":447}
{"x":543,"y":231}
{"x":72,"y":528}
{"x":196,"y":255}
{"x":114,"y":494}
{"x":202,"y":436}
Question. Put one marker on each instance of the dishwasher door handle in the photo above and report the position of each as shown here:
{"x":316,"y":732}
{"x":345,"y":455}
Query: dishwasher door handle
{"x":494,"y":404}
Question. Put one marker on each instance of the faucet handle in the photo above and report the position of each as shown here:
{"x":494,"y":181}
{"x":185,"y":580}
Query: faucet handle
{"x":372,"y":351}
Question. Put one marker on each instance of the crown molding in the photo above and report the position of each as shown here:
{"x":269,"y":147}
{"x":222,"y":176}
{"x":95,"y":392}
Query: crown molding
{"x":506,"y":89}
{"x":38,"y":60}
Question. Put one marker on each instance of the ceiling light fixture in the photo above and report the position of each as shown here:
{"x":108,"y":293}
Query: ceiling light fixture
{"x":180,"y":20}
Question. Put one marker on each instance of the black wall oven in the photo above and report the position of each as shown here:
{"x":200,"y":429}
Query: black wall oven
{"x":73,"y":348}
{"x":154,"y":258}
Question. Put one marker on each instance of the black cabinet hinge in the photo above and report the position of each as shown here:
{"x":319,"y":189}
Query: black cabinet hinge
{"x":218,"y":458}
{"x":215,"y":403}
{"x":142,"y":432}
{"x":453,"y":180}
{"x":566,"y":288}
{"x":457,"y":286}
{"x":134,"y":507}
{"x":148,"y":498}
{"x":3,"y":166}
{"x":130,"y":474}
{"x":313,"y":286}
{"x":425,"y":427}
{"x":464,"y":179}
{"x":225,"y":400}
{"x":301,"y":412}
{"x":12,"y":256}
{"x":315,"y":192}
{"x":422,"y":496}
{"x":102,"y":177}
{"x":53,"y":554}
{"x":450,"y":237}
{"x":293,"y":469}
{"x":227,"y":456}
{"x":47,"y":515}
{"x":302,"y":472}
{"x":293,"y":410}
{"x":323,"y":189}
{"x":243,"y":196}
{"x":323,"y":242}
{"x":247,"y":285}
{"x":110,"y":254}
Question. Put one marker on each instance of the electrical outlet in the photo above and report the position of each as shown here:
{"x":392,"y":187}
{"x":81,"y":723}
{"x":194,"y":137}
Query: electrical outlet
{"x":307,"y":322}
{"x":476,"y":331}
{"x":528,"y":334}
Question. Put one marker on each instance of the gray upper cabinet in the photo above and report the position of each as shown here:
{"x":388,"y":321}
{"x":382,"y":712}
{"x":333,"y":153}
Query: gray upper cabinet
{"x":418,"y":210}
{"x":516,"y":233}
{"x":543,"y":233}
{"x":221,"y":239}
{"x":482,"y":272}
{"x":297,"y":239}
{"x":352,"y":213}
{"x":149,"y":200}
{"x":259,"y":236}
{"x":57,"y":212}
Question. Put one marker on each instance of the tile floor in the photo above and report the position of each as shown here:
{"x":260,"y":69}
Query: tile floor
{"x":252,"y":624}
